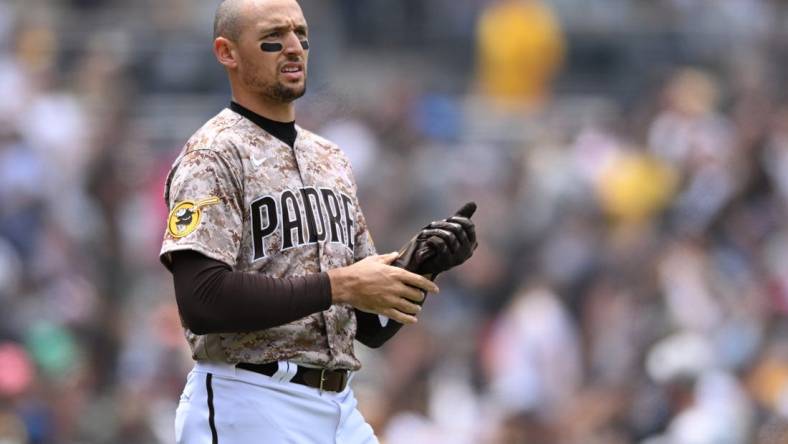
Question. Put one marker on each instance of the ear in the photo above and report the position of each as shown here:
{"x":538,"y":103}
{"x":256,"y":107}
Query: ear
{"x":225,"y":52}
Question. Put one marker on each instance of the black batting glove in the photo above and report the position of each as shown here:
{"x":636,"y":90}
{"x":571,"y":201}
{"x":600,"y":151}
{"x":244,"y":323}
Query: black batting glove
{"x":441,"y":245}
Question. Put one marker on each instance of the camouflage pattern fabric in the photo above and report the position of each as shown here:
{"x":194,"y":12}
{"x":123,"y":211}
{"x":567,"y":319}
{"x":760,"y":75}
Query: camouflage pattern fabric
{"x":241,"y":196}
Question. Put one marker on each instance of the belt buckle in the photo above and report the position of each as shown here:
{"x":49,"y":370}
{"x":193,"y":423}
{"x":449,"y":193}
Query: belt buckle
{"x":322,"y":379}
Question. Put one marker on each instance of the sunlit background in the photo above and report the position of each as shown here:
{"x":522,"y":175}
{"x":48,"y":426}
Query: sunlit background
{"x":630,"y":163}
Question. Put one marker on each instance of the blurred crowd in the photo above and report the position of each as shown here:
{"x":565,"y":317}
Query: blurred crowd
{"x":631,"y":280}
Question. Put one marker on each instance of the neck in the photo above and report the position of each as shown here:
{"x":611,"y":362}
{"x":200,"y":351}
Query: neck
{"x":278,"y":111}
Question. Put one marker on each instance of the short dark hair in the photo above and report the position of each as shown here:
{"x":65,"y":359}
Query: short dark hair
{"x":227,"y":22}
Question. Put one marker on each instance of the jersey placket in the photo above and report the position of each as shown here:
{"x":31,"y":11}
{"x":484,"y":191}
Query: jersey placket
{"x":328,"y":321}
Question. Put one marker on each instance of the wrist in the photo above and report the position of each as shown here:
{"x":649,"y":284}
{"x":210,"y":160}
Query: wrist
{"x":339,"y":278}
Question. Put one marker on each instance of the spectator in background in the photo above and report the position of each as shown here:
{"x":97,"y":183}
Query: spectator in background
{"x":533,"y":357}
{"x":520,"y":48}
{"x":694,"y":137}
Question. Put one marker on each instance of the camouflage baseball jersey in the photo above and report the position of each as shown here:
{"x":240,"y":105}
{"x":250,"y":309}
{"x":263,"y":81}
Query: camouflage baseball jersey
{"x":241,"y":196}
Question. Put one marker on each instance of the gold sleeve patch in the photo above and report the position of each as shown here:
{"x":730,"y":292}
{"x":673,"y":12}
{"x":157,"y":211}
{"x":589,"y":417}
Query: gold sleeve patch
{"x":185,"y":216}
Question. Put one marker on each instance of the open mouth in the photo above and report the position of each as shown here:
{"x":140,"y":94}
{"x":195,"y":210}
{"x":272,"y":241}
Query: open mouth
{"x":292,"y":69}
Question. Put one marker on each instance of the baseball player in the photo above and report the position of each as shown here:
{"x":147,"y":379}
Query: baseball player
{"x":274,"y":269}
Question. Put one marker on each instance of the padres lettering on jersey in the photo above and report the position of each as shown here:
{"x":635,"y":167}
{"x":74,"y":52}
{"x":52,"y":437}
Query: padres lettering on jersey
{"x":239,"y":195}
{"x":326,"y":214}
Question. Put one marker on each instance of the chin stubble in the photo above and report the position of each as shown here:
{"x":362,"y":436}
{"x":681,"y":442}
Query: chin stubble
{"x":278,"y":91}
{"x":283,"y":93}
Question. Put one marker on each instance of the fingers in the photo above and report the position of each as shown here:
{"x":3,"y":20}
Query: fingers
{"x":467,"y":210}
{"x":398,"y":304}
{"x":458,"y":231}
{"x":417,"y":281}
{"x":436,"y":246}
{"x":407,"y":307}
{"x":387,"y":258}
{"x":400,"y":308}
{"x":399,"y":316}
{"x":444,"y":233}
{"x":467,"y":225}
{"x":410,"y":294}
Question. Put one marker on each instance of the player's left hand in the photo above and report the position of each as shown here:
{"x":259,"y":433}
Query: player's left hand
{"x":441,"y":245}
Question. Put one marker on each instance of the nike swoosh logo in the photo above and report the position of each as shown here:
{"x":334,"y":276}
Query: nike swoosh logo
{"x":257,"y":162}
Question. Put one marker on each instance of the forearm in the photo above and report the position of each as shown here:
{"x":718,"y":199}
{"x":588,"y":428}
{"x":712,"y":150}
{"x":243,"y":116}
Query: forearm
{"x":214,"y":299}
{"x":371,"y":285}
{"x":371,"y":332}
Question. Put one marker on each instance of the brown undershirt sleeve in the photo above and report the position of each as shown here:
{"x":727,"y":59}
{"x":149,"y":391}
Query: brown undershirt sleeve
{"x":212,"y":298}
{"x":370,"y":332}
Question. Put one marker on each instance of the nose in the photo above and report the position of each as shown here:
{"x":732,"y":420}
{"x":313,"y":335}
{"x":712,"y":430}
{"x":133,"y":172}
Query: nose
{"x":292,"y":44}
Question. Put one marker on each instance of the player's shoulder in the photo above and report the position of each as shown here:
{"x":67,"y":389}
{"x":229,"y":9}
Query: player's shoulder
{"x":214,"y":145}
{"x":320,"y":145}
{"x":218,"y":134}
{"x":210,"y":148}
{"x":327,"y":153}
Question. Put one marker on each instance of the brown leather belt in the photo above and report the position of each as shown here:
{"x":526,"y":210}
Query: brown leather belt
{"x":321,"y":379}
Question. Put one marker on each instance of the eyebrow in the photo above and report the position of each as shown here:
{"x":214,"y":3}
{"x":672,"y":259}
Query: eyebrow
{"x":278,"y":28}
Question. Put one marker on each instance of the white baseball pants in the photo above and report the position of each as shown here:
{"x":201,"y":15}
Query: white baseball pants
{"x":224,"y":405}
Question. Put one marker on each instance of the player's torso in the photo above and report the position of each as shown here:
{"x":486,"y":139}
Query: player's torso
{"x":299,"y":217}
{"x":299,"y":206}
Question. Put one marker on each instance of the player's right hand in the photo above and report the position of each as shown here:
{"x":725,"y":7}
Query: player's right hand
{"x":375,"y":286}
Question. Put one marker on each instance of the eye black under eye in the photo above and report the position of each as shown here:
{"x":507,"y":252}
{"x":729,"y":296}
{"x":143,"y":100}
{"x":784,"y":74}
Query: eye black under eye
{"x":276,"y":47}
{"x":271,"y":47}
